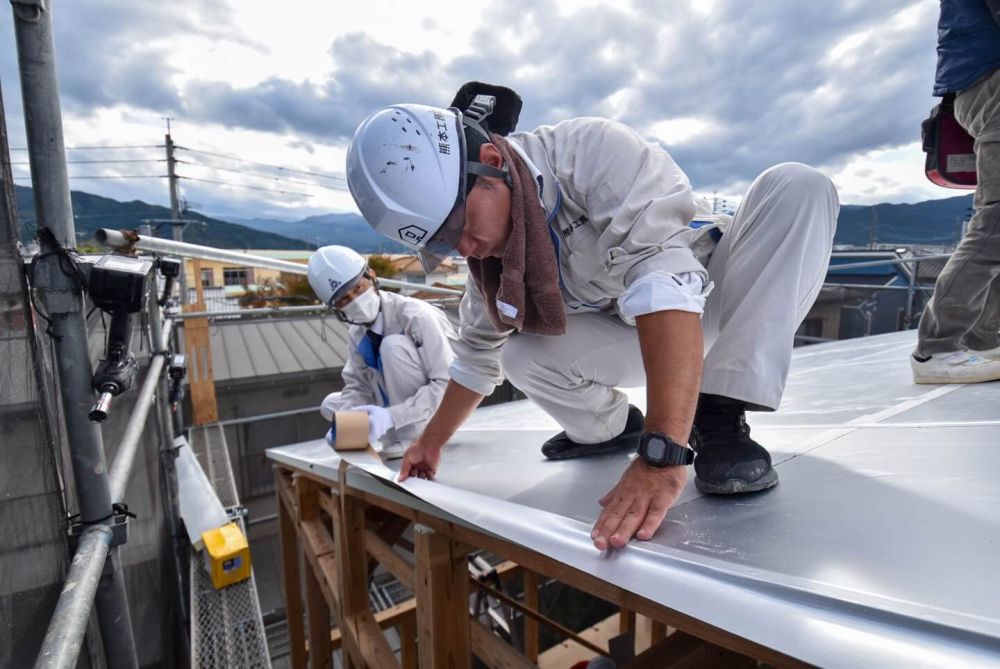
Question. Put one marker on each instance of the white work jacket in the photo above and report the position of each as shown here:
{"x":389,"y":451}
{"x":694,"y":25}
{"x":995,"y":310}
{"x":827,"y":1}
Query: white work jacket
{"x":432,"y":335}
{"x":619,"y":209}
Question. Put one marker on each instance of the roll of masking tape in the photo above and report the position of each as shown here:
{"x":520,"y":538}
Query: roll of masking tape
{"x":352,"y":430}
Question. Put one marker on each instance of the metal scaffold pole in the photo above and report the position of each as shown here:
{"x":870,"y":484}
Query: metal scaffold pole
{"x":62,"y":299}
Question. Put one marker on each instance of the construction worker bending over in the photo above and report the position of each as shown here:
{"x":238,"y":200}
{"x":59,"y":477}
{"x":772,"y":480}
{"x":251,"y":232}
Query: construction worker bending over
{"x":399,"y":350}
{"x":594,"y":266}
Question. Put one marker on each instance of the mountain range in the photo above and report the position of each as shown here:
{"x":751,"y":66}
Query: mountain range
{"x":91,"y":212}
{"x":344,"y":229}
{"x":929,"y":223}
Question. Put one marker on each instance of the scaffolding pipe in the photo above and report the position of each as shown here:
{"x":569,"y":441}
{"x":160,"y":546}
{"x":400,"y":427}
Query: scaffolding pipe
{"x":62,"y":297}
{"x":61,"y":646}
{"x":268,"y":416}
{"x":121,"y":468}
{"x":882,"y":263}
{"x":257,"y":311}
{"x":168,"y":477}
{"x":117,"y":239}
{"x":875,"y":287}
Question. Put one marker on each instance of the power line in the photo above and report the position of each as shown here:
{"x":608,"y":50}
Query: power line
{"x":98,"y":148}
{"x":263,"y":176}
{"x":29,"y":219}
{"x":82,"y":162}
{"x":253,"y":162}
{"x":109,"y":176}
{"x":232,"y":185}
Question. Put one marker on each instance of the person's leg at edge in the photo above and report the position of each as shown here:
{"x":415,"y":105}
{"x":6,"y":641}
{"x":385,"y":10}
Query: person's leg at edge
{"x":768,"y":270}
{"x":966,"y":303}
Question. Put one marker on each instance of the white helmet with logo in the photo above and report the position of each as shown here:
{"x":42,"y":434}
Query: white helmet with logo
{"x":406,"y":169}
{"x":333,"y":270}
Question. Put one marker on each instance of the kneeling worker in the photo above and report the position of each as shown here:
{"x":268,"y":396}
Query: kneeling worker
{"x":399,"y":350}
{"x":592,"y":266}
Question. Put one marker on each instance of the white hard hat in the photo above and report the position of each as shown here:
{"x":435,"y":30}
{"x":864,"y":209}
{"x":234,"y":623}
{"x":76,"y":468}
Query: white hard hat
{"x":406,"y":169}
{"x":333,"y":270}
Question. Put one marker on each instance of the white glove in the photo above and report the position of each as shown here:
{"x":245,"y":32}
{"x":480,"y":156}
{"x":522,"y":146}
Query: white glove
{"x":379,"y":421}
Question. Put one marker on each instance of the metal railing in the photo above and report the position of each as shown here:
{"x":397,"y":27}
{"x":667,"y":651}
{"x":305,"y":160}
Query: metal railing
{"x":61,"y":646}
{"x":911,"y":287}
{"x":121,"y":240}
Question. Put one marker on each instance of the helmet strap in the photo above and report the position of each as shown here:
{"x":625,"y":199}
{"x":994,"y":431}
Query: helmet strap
{"x":474,"y":119}
{"x":479,"y":169}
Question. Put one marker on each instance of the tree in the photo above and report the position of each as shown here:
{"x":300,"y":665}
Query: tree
{"x":382,"y":266}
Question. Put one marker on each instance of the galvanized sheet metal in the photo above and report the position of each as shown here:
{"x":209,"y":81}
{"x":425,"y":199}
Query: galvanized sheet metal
{"x":879,"y":548}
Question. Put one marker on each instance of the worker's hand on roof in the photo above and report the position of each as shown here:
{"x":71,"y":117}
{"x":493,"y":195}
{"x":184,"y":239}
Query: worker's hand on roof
{"x":379,"y":421}
{"x":420,"y":461}
{"x":637,"y":504}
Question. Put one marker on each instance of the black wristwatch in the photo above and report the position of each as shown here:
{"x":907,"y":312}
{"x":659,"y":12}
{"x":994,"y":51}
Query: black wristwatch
{"x":658,"y":450}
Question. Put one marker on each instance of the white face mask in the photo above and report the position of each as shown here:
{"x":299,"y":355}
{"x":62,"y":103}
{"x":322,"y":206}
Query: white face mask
{"x":363,"y":309}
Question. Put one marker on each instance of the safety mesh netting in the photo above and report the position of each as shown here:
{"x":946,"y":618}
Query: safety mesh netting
{"x":33,"y":549}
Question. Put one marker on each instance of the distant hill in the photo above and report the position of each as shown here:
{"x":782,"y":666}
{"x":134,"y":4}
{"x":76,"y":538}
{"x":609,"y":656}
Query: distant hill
{"x":933,"y":222}
{"x":93,"y":211}
{"x":344,"y":229}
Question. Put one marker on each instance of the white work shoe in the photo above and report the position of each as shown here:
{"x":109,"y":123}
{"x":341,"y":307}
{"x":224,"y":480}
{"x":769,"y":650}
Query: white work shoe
{"x":393,"y":451}
{"x":955,"y":367}
{"x":989,"y":354}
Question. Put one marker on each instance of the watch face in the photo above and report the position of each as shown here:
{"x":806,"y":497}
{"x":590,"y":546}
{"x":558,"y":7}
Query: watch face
{"x":656,"y":449}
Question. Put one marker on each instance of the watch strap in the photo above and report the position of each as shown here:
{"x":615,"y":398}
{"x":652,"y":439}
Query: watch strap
{"x":675,"y":453}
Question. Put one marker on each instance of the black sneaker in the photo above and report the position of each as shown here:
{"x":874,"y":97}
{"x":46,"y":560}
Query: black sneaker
{"x":561,"y":447}
{"x":727,"y":460}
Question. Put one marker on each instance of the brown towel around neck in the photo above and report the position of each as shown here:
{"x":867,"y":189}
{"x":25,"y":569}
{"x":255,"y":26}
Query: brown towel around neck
{"x":521,"y":289}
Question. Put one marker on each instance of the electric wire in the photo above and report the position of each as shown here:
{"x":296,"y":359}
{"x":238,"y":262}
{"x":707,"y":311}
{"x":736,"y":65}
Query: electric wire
{"x":253,"y":162}
{"x":232,"y":185}
{"x":261,"y":175}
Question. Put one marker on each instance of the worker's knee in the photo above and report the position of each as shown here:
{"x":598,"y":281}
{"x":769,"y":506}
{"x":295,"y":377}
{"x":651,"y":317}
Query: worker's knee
{"x":329,"y":405}
{"x":797,"y":178}
{"x":531,"y":361}
{"x":397,"y":349}
{"x":514,"y":360}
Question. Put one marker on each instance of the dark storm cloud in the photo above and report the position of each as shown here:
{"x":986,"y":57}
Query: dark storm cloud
{"x":759,"y":71}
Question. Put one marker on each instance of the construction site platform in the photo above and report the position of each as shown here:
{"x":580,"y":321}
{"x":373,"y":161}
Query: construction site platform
{"x":880,"y":546}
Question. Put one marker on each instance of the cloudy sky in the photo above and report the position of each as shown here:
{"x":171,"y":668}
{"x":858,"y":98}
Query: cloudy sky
{"x":727,"y":86}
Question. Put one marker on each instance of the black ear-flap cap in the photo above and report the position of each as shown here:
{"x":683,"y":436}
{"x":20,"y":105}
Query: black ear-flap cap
{"x":505,"y":114}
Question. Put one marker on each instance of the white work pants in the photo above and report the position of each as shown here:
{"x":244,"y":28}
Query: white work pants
{"x":768,"y":270}
{"x":402,"y":376}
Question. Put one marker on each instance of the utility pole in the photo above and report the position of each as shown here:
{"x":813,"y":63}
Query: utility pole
{"x":175,"y":207}
{"x":872,"y":227}
{"x":61,"y":295}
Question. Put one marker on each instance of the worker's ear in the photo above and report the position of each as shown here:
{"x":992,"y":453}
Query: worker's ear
{"x":489,"y":154}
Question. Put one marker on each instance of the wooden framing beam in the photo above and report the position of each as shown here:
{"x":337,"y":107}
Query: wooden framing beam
{"x":551,"y":568}
{"x":683,"y":651}
{"x":317,"y":607}
{"x":368,"y":647}
{"x":291,"y":575}
{"x":442,"y":588}
{"x":393,"y":562}
{"x":394,"y":616}
{"x":494,"y":652}
{"x":538,"y":617}
{"x":530,"y":624}
{"x":441,"y":584}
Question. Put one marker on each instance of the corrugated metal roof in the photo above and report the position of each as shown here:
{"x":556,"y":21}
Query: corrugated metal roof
{"x":250,"y":349}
